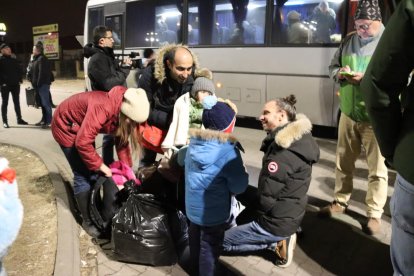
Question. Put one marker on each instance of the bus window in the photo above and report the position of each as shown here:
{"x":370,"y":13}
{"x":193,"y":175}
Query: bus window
{"x":95,"y":18}
{"x":150,"y":24}
{"x":226,"y":22}
{"x":307,"y":22}
{"x":115,"y":23}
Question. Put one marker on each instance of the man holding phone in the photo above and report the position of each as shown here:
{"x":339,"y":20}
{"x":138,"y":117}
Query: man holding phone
{"x":355,"y":131}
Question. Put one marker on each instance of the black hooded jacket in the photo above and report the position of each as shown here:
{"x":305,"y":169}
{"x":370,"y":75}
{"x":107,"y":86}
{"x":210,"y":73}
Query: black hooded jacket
{"x":103,"y":71}
{"x":284,"y":179}
{"x":41,"y":71}
{"x":10,"y":71}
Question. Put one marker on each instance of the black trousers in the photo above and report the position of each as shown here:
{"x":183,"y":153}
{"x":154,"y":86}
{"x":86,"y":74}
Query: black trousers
{"x":15,"y":92}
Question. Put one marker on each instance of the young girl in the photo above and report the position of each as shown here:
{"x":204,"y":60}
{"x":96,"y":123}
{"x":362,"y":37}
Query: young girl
{"x":79,"y":119}
{"x":214,"y":171}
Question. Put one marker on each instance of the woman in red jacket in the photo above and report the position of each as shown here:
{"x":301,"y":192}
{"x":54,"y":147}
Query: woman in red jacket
{"x":79,"y":119}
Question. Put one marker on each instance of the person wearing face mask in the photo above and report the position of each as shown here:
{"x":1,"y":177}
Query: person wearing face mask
{"x":355,"y":130}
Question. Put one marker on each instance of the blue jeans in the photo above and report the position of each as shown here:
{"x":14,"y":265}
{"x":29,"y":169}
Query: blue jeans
{"x":205,"y":248}
{"x":82,"y":176}
{"x":44,"y":94}
{"x":402,"y":235}
{"x":248,"y":237}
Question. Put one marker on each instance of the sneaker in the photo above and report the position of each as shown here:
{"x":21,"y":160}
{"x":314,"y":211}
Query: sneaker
{"x":6,"y":125}
{"x":46,"y":126}
{"x":284,"y":251}
{"x":373,"y":226}
{"x":22,"y":122}
{"x":332,"y":209}
{"x":41,"y":123}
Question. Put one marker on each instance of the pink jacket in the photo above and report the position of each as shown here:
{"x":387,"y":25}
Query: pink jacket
{"x":80,"y":118}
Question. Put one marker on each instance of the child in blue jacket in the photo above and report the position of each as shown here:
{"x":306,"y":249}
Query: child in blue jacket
{"x":214,"y":172}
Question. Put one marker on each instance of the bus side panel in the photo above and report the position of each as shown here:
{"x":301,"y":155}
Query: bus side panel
{"x":248,"y":92}
{"x":315,"y":96}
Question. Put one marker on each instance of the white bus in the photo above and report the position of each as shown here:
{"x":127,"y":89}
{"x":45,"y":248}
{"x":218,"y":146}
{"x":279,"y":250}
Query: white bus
{"x":252,"y":46}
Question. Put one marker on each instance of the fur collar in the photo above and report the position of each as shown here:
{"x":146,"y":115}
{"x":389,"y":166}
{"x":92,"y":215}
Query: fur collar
{"x":159,"y":68}
{"x":208,"y":135}
{"x":293,"y":131}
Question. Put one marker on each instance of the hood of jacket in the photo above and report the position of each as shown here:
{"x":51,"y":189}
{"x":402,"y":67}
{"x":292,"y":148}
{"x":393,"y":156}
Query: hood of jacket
{"x":290,"y":137}
{"x":160,"y":66}
{"x":209,"y":147}
{"x":90,"y":49}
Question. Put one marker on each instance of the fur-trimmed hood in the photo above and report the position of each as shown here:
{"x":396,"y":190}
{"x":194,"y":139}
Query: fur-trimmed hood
{"x":210,"y":148}
{"x":209,"y":135}
{"x":295,"y":137}
{"x":159,"y":67}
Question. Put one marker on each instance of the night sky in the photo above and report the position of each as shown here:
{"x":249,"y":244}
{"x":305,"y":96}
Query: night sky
{"x":21,"y":15}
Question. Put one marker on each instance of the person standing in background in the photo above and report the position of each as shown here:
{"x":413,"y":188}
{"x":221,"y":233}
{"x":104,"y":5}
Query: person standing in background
{"x":355,"y":131}
{"x":390,"y":105}
{"x":105,"y":73}
{"x":10,"y":80}
{"x":42,"y":78}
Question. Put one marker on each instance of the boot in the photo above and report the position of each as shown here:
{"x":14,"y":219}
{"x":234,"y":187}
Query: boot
{"x":83,"y":204}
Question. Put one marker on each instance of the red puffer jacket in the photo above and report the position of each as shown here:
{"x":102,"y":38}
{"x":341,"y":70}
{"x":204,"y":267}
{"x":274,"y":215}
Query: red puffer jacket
{"x":80,"y":118}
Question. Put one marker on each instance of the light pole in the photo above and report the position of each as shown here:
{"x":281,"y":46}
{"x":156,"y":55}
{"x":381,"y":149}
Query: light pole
{"x":3,"y":30}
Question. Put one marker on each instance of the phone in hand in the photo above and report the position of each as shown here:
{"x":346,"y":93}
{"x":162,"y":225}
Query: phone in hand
{"x":349,"y":74}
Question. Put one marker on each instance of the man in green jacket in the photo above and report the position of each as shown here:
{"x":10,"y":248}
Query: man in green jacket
{"x":390,"y":105}
{"x":355,"y":131}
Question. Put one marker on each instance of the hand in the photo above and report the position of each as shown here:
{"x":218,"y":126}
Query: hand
{"x":105,"y":170}
{"x":355,"y":79}
{"x":346,"y":68}
{"x":127,"y":61}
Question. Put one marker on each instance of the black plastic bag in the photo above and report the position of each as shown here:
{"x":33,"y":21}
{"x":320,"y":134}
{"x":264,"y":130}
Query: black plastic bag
{"x":141,"y":232}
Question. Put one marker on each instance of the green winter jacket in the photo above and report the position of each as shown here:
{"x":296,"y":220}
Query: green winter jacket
{"x":355,"y":53}
{"x":390,"y":102}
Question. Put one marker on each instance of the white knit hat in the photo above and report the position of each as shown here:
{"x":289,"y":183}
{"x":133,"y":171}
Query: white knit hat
{"x":135,"y":105}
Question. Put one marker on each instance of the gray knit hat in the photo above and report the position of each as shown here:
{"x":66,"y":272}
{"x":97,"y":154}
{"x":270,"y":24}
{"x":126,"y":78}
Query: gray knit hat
{"x":368,"y":9}
{"x":202,"y":84}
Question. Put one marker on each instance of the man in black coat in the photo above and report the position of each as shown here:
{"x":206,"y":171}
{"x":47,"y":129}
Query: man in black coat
{"x":104,"y":73}
{"x":10,"y":79}
{"x":280,"y":200}
{"x":170,"y":76}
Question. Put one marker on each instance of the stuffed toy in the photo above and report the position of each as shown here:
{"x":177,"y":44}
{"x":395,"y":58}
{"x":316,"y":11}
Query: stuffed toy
{"x":11,"y":209}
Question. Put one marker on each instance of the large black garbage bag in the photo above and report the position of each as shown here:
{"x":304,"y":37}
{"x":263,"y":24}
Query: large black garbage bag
{"x":141,"y":232}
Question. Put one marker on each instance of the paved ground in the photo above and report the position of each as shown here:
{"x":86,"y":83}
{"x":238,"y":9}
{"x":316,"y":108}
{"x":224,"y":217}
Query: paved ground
{"x":327,"y":246}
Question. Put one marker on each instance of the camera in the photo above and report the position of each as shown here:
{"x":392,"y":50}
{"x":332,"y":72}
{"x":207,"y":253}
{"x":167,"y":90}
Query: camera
{"x":134,"y":56}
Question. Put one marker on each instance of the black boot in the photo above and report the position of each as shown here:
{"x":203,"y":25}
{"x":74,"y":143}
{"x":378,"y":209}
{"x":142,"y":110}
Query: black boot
{"x":83,"y":204}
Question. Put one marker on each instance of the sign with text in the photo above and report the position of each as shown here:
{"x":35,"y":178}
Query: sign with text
{"x":51,"y":28}
{"x":50,"y":44}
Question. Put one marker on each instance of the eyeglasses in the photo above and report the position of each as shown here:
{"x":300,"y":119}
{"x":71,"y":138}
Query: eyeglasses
{"x":364,"y":27}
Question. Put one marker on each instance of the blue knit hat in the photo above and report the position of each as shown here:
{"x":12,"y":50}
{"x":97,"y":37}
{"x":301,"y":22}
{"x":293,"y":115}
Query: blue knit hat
{"x":217,"y":115}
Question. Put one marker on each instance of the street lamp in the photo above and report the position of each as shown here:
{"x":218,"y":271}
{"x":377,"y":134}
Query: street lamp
{"x":3,"y":30}
{"x":151,"y":38}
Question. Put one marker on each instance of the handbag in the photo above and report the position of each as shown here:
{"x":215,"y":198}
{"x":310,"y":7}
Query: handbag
{"x":32,"y":97}
{"x":152,"y":137}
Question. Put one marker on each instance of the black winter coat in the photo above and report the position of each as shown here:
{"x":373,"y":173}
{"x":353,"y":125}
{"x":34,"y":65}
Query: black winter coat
{"x":41,"y":71}
{"x":284,"y":179}
{"x":103,"y":71}
{"x":10,"y":71}
{"x":162,"y":96}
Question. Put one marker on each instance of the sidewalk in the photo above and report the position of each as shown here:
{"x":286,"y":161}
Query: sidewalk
{"x":327,"y":247}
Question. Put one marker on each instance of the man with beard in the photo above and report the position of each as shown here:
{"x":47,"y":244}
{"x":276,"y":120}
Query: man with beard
{"x":355,"y":130}
{"x":170,"y":76}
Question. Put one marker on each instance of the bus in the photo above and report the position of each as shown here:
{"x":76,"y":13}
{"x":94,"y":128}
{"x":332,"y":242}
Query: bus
{"x":257,"y":49}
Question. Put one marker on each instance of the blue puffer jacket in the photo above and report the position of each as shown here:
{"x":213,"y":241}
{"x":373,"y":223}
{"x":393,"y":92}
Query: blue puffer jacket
{"x":214,"y":171}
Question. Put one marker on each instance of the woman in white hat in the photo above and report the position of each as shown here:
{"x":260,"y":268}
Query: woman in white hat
{"x":79,"y":119}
